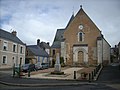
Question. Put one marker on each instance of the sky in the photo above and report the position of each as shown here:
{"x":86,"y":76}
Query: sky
{"x":40,"y":19}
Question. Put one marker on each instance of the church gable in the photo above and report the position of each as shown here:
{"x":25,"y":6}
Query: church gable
{"x":80,"y":42}
{"x":81,"y":25}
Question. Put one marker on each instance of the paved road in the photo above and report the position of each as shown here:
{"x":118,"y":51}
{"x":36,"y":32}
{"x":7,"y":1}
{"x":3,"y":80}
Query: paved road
{"x":110,"y":74}
{"x":78,"y":87}
{"x":108,"y":80}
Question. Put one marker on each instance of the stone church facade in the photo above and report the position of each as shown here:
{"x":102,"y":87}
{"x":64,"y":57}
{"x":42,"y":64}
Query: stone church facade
{"x":81,"y":42}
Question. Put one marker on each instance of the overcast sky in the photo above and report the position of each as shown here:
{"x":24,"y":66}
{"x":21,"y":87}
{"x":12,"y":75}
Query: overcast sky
{"x":33,"y":19}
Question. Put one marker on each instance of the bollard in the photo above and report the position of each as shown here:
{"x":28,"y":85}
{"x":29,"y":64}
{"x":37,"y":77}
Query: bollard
{"x":13,"y":70}
{"x":119,"y":67}
{"x":94,"y":72}
{"x":97,"y":68}
{"x":89,"y":77}
{"x":19,"y":71}
{"x":28,"y":73}
{"x":74,"y":74}
{"x":92,"y":75}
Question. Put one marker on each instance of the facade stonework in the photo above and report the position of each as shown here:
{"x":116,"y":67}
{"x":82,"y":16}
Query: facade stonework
{"x":82,"y":42}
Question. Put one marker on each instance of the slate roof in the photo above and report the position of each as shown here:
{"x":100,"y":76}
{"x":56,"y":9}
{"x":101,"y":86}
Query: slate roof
{"x":59,"y":35}
{"x":58,"y":38}
{"x":72,"y":17}
{"x":9,"y":36}
{"x":37,"y":51}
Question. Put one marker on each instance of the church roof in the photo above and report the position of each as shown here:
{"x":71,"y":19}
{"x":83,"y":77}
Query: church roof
{"x":72,"y":17}
{"x":37,"y":51}
{"x":59,"y":35}
{"x":58,"y":38}
{"x":9,"y":36}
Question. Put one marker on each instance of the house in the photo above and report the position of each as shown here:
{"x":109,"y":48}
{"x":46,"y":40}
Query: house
{"x":43,"y":45}
{"x":46,"y":47}
{"x":35,"y":54}
{"x":81,"y":42}
{"x":12,"y":49}
{"x":115,"y":53}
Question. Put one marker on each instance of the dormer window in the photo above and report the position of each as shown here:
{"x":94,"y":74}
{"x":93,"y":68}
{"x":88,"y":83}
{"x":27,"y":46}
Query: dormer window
{"x":80,"y":37}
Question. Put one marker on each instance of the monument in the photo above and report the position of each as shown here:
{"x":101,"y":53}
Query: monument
{"x":57,"y":66}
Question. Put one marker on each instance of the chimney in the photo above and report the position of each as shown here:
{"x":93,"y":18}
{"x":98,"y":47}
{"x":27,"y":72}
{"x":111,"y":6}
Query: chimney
{"x":14,"y":33}
{"x":48,"y":43}
{"x":38,"y":41}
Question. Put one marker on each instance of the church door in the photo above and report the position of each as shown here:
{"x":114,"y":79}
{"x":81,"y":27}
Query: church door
{"x":80,"y":57}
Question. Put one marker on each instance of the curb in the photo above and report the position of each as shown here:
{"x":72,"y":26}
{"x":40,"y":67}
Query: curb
{"x":43,"y":85}
{"x":59,"y":79}
{"x":96,"y":77}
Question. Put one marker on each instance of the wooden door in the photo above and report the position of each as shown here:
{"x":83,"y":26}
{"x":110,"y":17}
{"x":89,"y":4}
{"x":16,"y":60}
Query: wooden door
{"x":80,"y":57}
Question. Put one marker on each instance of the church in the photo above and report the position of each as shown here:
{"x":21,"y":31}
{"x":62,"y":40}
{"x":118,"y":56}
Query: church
{"x":81,"y":42}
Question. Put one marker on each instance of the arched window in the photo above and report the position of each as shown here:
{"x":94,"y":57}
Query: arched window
{"x":80,"y":36}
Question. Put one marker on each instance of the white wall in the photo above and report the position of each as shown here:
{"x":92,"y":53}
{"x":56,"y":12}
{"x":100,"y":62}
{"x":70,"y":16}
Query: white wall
{"x":103,"y":51}
{"x":106,"y":51}
{"x":99,"y":51}
{"x":48,"y":51}
{"x":63,"y":51}
{"x":10,"y":54}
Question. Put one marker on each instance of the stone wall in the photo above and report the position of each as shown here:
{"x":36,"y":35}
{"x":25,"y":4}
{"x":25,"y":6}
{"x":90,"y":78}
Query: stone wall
{"x":91,"y":32}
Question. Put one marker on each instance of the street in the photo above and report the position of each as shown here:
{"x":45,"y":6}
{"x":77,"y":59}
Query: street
{"x":79,"y":87}
{"x":109,"y":79}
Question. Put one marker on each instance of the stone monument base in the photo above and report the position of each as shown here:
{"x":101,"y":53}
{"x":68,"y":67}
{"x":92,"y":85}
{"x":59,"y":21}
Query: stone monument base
{"x":57,"y":68}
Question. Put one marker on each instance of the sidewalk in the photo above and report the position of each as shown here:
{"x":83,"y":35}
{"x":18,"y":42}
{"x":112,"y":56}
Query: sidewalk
{"x":69,"y":74}
{"x":37,"y":80}
{"x":33,"y":82}
{"x":110,"y":75}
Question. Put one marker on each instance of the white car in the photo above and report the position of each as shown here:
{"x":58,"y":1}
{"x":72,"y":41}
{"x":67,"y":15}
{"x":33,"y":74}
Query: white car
{"x":38,"y":66}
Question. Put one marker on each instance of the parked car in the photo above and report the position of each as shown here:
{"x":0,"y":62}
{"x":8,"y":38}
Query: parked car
{"x":27,"y":67}
{"x":45,"y":65}
{"x":38,"y":66}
